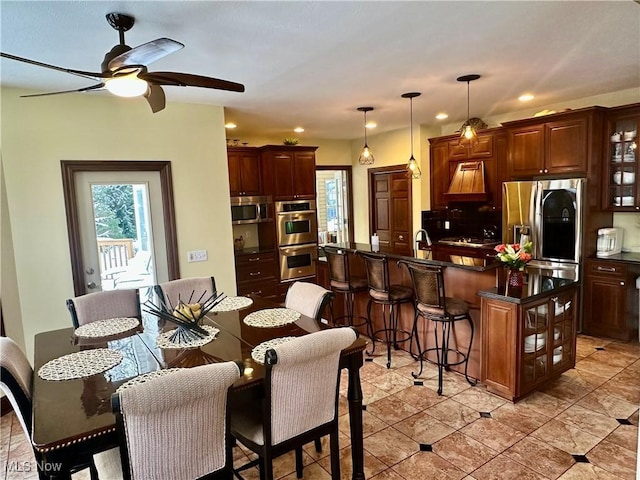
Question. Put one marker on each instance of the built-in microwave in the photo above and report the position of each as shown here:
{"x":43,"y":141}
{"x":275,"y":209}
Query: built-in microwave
{"x":249,"y":209}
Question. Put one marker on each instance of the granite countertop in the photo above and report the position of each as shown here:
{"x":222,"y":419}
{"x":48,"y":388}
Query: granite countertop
{"x":252,"y":251}
{"x":473,"y":261}
{"x":537,"y":285}
{"x":626,"y":257}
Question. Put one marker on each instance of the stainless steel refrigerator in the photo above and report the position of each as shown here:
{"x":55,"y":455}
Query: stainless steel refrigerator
{"x":548,"y":213}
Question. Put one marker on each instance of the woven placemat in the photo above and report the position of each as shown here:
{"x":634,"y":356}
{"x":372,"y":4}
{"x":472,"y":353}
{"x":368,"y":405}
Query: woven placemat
{"x":271,"y":317}
{"x":106,"y":327}
{"x":145,"y":377}
{"x":259,"y":351}
{"x":229,"y":304}
{"x":164,"y":342}
{"x":80,"y":364}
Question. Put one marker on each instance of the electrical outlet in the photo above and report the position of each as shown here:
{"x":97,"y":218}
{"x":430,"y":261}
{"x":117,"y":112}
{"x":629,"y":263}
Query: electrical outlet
{"x":447,"y":225}
{"x":197,"y":256}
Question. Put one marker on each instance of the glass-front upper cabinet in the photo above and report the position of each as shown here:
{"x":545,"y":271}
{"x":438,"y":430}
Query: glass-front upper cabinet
{"x":621,"y":186}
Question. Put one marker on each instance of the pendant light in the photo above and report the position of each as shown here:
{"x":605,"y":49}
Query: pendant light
{"x":468,"y":133}
{"x":412,"y":166}
{"x":366,"y":156}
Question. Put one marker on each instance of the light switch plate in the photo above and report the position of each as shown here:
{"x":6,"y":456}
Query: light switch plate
{"x":197,"y":256}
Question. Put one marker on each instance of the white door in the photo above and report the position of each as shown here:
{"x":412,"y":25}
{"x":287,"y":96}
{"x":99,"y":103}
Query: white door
{"x":122,"y":238}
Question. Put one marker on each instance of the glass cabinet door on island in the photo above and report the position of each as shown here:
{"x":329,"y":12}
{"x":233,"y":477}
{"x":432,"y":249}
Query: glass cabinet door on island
{"x":622,"y":177}
{"x":527,"y":343}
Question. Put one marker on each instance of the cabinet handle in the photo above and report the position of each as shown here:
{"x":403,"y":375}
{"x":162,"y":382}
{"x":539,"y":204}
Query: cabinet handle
{"x":254,"y":259}
{"x":606,"y":269}
{"x":256,"y":293}
{"x":622,"y":283}
{"x":254,"y":274}
{"x":546,"y":171}
{"x":541,"y":171}
{"x":400,"y":237}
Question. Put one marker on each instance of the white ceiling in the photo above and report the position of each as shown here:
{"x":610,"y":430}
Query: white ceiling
{"x":313,"y":63}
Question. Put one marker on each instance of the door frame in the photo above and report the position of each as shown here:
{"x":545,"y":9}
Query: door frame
{"x":349,"y":170}
{"x":71,"y":167}
{"x":372,"y":172}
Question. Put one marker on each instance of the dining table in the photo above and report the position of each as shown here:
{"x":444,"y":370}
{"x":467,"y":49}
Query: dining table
{"x":73,"y":418}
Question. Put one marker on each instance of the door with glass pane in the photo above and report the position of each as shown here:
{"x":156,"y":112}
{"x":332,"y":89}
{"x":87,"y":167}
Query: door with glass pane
{"x":334,"y":204}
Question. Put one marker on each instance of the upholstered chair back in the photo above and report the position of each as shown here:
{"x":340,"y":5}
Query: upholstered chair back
{"x":103,"y":305}
{"x":16,"y":377}
{"x":307,"y":298}
{"x":186,"y":290}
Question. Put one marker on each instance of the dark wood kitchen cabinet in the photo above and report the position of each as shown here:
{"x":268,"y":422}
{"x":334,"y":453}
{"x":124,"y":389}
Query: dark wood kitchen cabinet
{"x":257,"y":273}
{"x":621,"y":165}
{"x":526,"y":345}
{"x":566,"y":143}
{"x":610,"y":300}
{"x":289,"y":172}
{"x":245,"y":177}
{"x":446,"y":153}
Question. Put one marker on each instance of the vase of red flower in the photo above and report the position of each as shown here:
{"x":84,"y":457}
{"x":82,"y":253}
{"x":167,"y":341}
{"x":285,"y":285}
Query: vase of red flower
{"x":515,"y":257}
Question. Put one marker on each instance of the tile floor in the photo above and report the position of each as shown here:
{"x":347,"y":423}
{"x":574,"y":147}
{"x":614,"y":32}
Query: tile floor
{"x":583,"y":426}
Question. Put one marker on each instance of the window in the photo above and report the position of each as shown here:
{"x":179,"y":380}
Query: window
{"x":334,"y":204}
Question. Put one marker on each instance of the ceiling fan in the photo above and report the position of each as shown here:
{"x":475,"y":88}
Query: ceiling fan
{"x":124,"y":69}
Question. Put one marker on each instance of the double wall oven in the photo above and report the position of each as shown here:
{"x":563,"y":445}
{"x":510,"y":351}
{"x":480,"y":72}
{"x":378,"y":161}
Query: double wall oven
{"x":297,"y":231}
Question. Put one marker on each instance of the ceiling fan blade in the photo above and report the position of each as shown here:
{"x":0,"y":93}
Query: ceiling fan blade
{"x":189,"y":80}
{"x":80,"y":73}
{"x":85,"y":89}
{"x":155,"y":97}
{"x":146,"y":53}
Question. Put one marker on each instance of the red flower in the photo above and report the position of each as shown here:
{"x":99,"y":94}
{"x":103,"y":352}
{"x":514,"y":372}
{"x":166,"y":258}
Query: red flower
{"x":500,"y":248}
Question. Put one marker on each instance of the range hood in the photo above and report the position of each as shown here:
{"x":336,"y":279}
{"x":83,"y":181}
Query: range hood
{"x":468,"y":183}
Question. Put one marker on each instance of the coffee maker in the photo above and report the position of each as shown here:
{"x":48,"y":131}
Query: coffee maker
{"x":609,"y":242}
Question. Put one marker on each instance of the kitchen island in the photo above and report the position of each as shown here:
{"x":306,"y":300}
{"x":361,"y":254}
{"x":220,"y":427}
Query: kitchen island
{"x":528,"y":333}
{"x":524,"y":337}
{"x":465,"y":273}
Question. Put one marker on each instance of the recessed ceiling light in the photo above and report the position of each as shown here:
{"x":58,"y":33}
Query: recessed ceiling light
{"x":526,"y":97}
{"x":371,"y":125}
{"x":298,"y":129}
{"x":442,"y":116}
{"x":230,"y":125}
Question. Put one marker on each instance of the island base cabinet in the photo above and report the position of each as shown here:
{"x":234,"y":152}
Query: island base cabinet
{"x":527,"y":345}
{"x":498,"y":340}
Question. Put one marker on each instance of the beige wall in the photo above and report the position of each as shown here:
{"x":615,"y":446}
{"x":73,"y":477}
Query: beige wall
{"x":38,"y":133}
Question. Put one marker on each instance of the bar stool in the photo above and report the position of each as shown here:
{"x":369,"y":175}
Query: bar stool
{"x":432,"y":304}
{"x":342,"y":282}
{"x":390,"y":297}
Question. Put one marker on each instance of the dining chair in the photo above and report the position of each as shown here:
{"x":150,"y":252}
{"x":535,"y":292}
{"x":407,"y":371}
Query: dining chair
{"x":300,"y":401}
{"x":432,"y":304}
{"x":16,"y":382}
{"x":186,"y":290}
{"x":173,"y":427}
{"x":103,"y":305}
{"x":308,"y":298}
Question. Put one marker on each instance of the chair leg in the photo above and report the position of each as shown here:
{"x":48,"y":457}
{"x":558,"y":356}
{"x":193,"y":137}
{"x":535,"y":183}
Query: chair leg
{"x":266,"y":468}
{"x":387,"y":331}
{"x":299,"y":465}
{"x":335,"y":455}
{"x":318,"y":444}
{"x":439,"y":355}
{"x":373,"y":340}
{"x":466,"y":363}
{"x":415,"y":332}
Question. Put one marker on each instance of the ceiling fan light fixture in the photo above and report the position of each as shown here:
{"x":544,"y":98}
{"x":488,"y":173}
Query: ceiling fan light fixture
{"x":366,"y":156}
{"x":468,"y":133}
{"x":413,"y":169}
{"x":127,"y":86}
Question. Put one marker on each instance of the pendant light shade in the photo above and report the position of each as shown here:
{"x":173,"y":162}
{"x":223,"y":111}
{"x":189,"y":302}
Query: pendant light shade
{"x":468,"y":132}
{"x":412,"y":166}
{"x":366,"y":156}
